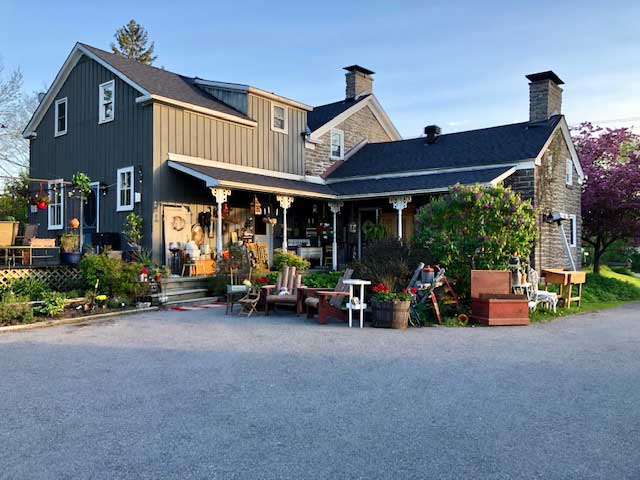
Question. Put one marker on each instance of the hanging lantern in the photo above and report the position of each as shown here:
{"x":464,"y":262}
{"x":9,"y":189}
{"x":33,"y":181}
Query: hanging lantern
{"x":74,"y":222}
{"x":42,"y":200}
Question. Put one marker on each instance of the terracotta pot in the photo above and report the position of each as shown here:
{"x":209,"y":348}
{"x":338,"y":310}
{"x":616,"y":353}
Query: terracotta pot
{"x":390,"y":314}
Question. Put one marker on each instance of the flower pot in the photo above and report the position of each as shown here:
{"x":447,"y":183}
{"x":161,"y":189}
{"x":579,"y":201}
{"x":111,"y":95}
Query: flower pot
{"x":390,"y":314}
{"x":70,"y":258}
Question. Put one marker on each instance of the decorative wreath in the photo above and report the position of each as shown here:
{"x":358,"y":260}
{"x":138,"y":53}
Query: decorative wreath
{"x":178,"y":223}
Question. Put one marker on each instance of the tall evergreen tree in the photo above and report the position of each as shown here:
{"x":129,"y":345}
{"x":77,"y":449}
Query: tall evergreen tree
{"x":132,"y":41}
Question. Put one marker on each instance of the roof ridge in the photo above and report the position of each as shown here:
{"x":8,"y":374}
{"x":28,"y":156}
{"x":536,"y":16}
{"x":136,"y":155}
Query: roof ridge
{"x":355,"y":100}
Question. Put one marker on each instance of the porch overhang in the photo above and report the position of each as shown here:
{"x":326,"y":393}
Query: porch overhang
{"x":239,"y":180}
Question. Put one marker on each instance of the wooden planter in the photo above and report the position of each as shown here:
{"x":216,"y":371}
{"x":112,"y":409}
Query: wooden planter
{"x":497,"y":309}
{"x":390,"y":314}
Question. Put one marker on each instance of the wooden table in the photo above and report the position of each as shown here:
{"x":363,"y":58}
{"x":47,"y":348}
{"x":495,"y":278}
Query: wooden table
{"x":566,"y":279}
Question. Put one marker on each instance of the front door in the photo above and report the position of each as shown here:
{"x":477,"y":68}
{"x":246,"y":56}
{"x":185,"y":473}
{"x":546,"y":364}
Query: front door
{"x":177,"y":228}
{"x":91,"y":214}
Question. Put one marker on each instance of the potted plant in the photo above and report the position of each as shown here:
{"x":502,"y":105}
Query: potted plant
{"x":390,"y":309}
{"x":70,"y":249}
{"x":133,"y":232}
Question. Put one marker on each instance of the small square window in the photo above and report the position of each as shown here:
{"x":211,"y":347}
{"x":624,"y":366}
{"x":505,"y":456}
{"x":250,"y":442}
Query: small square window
{"x":337,"y":144}
{"x":106,"y":101}
{"x":60,"y":117}
{"x":279,"y":118}
{"x":569,"y":176}
{"x":125,"y":196}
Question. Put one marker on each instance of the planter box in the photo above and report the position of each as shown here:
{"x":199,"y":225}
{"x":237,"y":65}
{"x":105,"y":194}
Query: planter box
{"x":43,"y":242}
{"x":390,"y":314}
{"x":496,"y":309}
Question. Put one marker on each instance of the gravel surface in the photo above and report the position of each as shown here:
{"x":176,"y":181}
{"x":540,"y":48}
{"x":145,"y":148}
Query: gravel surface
{"x":200,"y":395}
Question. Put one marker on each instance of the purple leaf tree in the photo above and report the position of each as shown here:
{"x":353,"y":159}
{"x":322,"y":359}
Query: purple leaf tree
{"x":611,"y":195}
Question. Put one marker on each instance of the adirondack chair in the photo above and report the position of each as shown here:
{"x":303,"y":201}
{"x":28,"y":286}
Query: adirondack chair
{"x":285,"y":291}
{"x":328,"y":302}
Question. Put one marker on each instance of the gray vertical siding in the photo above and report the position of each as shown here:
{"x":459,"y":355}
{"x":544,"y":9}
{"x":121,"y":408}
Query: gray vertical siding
{"x":237,"y":100}
{"x":97,"y":150}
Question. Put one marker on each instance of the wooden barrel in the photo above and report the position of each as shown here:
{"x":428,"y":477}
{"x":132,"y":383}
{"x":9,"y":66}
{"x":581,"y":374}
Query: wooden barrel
{"x":390,"y":314}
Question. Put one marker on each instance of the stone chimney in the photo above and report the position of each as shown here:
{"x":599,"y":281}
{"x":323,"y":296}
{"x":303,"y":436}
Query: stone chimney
{"x":359,"y":81}
{"x":545,"y":96}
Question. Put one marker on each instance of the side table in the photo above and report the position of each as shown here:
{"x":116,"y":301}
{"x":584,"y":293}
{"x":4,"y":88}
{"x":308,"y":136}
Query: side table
{"x":360,"y":306}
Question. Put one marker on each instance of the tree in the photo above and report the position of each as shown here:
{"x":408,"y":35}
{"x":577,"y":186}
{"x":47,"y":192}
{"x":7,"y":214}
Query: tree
{"x":611,"y":193}
{"x":476,"y":227}
{"x":132,"y":41}
{"x":16,"y":109}
{"x":14,"y":198}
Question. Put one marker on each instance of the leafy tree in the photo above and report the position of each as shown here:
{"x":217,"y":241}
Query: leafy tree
{"x":611,"y":195}
{"x":132,"y":40}
{"x":14,"y":198}
{"x":16,"y":109}
{"x":476,"y":227}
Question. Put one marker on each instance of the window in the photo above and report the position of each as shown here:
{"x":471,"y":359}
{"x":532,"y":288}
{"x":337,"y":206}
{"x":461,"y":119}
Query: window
{"x":125,"y":189}
{"x":61,"y":117}
{"x":337,"y":144}
{"x":569,"y":177}
{"x":279,"y":118}
{"x":106,"y":100}
{"x":56,"y":205}
{"x":573,"y":232}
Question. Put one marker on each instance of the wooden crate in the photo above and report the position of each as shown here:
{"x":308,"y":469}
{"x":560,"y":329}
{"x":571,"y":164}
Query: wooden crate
{"x":43,"y":242}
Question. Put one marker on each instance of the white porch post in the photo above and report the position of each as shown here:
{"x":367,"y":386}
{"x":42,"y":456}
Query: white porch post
{"x":221,"y":195}
{"x":285,"y":202}
{"x":400,"y":203}
{"x":335,"y":209}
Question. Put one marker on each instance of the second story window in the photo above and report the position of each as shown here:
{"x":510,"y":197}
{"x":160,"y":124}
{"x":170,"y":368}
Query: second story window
{"x":337,"y":144}
{"x":106,"y":93}
{"x":279,"y":118}
{"x":125,"y":196}
{"x":60,"y":117}
{"x":569,"y":177}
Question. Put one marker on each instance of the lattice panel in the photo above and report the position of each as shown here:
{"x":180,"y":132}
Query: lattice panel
{"x":58,"y":277}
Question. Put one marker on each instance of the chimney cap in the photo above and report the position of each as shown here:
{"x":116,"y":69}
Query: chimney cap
{"x":432,"y":130}
{"x":548,"y":75}
{"x":358,"y":68}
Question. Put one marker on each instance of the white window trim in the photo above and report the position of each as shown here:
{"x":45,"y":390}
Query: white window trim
{"x":286,"y":118}
{"x":60,"y":184}
{"x":102,"y":119}
{"x":66,"y":117}
{"x":569,"y":174}
{"x":119,"y":206}
{"x":573,"y":241}
{"x":341,"y":156}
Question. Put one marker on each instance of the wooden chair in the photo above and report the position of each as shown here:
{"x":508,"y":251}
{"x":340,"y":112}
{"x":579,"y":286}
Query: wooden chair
{"x":30,"y":232}
{"x":328,"y":302}
{"x":285,"y":291}
{"x":249,"y":303}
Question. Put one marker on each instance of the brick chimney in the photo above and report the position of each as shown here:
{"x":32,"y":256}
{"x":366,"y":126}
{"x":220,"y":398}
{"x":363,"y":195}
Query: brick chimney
{"x":545,"y":95}
{"x":359,"y":81}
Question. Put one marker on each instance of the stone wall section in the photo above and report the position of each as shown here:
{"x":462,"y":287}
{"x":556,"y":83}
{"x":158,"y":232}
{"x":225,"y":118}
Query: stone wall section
{"x":361,"y":125}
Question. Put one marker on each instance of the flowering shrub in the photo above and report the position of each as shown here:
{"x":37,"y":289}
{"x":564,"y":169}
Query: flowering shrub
{"x":476,"y":227}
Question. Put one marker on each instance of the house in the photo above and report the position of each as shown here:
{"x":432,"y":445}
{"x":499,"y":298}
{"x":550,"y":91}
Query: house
{"x":247,"y":164}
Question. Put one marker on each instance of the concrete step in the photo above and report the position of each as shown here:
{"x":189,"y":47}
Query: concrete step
{"x":183,"y":283}
{"x":180,"y":295}
{"x":193,"y":302}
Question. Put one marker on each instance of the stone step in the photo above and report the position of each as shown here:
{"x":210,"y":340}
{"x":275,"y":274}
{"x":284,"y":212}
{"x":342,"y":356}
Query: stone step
{"x":183,"y":283}
{"x":193,"y":302}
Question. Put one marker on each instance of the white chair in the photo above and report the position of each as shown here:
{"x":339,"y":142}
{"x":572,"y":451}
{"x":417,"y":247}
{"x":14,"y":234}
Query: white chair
{"x":540,"y":297}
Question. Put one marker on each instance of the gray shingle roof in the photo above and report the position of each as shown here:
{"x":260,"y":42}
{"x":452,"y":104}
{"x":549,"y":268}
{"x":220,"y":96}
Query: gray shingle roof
{"x":223,"y":174}
{"x":324,"y":113}
{"x":164,"y":83}
{"x":432,"y":182}
{"x":488,"y":146}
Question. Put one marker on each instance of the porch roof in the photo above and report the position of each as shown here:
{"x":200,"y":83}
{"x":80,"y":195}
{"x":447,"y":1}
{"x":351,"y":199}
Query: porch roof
{"x":214,"y":177}
{"x":415,"y":184}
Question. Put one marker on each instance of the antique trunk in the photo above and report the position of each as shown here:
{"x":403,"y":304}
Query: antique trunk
{"x":500,"y":309}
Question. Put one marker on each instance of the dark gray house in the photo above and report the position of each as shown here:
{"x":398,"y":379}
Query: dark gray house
{"x":246,"y":164}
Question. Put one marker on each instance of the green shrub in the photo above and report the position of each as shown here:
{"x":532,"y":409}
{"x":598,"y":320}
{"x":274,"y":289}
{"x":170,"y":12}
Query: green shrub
{"x":282,"y":259}
{"x":600,"y":289}
{"x":322,"y":279}
{"x":217,"y":285}
{"x":52,"y":304}
{"x":116,"y":277}
{"x":385,"y":261}
{"x":15,"y":310}
{"x":29,"y":288}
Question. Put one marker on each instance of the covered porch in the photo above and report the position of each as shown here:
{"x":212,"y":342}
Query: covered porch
{"x":328,"y":223}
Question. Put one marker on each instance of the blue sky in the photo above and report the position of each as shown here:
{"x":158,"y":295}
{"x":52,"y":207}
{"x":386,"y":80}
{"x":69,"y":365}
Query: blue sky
{"x":460,"y":65}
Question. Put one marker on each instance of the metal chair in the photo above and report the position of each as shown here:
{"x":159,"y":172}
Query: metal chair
{"x":540,"y":297}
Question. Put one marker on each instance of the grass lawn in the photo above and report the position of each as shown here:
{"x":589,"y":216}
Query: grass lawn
{"x":609,"y":289}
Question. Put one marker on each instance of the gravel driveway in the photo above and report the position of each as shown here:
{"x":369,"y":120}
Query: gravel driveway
{"x":200,"y":395}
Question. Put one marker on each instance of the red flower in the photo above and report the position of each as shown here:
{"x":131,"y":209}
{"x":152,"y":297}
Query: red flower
{"x":413,"y":290}
{"x":144,"y":270}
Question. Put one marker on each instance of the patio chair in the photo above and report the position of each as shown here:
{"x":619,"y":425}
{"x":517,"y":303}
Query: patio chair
{"x":286,"y":290}
{"x":30,"y":232}
{"x":328,"y":302}
{"x":540,"y":297}
{"x":249,"y":303}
